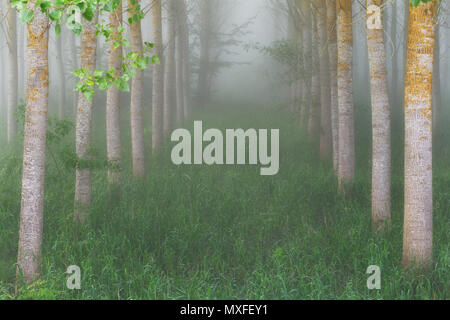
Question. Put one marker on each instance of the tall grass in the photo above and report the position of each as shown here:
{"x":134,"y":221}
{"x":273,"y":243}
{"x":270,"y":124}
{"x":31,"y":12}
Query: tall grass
{"x":223,"y":232}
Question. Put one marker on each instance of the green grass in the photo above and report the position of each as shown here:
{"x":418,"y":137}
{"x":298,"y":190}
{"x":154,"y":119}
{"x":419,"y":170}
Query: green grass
{"x":224,"y":232}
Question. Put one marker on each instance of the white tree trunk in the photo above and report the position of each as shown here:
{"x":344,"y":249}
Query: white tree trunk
{"x":158,"y":79}
{"x":381,"y":127}
{"x":11,"y":33}
{"x":169,"y":70}
{"x":33,"y":172}
{"x":346,"y":143}
{"x":113,"y":143}
{"x":325,"y":98}
{"x":307,"y":61}
{"x":332,"y":54}
{"x":186,"y":64}
{"x":179,"y":48}
{"x":84,"y":123}
{"x":61,"y":78}
{"x":418,"y":219}
{"x":314,"y":110}
{"x":136,"y":107}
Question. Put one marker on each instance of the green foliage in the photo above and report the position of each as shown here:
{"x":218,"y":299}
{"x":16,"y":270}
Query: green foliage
{"x":102,"y":80}
{"x":37,"y":291}
{"x":58,"y":10}
{"x":415,"y":3}
{"x":282,"y":51}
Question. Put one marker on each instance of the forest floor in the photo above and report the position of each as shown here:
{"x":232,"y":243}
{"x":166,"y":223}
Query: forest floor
{"x":224,"y":232}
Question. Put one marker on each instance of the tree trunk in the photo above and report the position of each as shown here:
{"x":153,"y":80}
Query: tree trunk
{"x":293,"y":74}
{"x":381,"y":127}
{"x":346,"y":160}
{"x":394,"y":58}
{"x":203,"y":74}
{"x":61,"y":78}
{"x":314,"y":110}
{"x":136,"y":107}
{"x":113,"y":144}
{"x":179,"y":48}
{"x":84,"y":123}
{"x":169,"y":70}
{"x":332,"y":55}
{"x":158,"y":79}
{"x":437,"y":102}
{"x":418,"y":219}
{"x":186,"y":63}
{"x":325,"y":98}
{"x":33,"y":172}
{"x":72,"y":44}
{"x":11,"y":34}
{"x":307,"y":61}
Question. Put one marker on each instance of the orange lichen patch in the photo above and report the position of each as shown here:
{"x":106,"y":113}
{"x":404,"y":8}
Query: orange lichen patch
{"x":419,"y":62}
{"x":32,"y":94}
{"x":37,"y":41}
{"x":345,"y":5}
{"x":427,"y":113}
{"x":342,"y":66}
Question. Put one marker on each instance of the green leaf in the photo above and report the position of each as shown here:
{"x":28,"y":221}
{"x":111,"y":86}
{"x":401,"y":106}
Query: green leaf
{"x":55,"y":15}
{"x":155,"y":60}
{"x":58,"y":29}
{"x":26,"y":16}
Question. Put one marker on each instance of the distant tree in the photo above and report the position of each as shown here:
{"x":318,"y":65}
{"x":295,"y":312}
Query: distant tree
{"x":305,"y":11}
{"x":346,"y":143}
{"x":185,"y":29}
{"x":61,"y":77}
{"x":314,"y":110}
{"x":169,"y":70}
{"x":325,"y":97}
{"x":158,"y":79}
{"x":179,"y":61}
{"x":206,"y":29}
{"x":137,"y":86}
{"x":11,"y":37}
{"x":113,"y":144}
{"x":83,"y":133}
{"x":332,"y":55}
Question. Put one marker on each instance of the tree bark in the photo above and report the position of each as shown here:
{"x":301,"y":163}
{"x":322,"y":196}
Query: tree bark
{"x":33,"y":173}
{"x":332,"y":55}
{"x":437,"y":101}
{"x":203,"y":74}
{"x":305,"y":10}
{"x":325,"y":97}
{"x":315,"y":110}
{"x":418,"y":219}
{"x":113,"y":144}
{"x":186,"y":63}
{"x":158,"y":79}
{"x":136,"y":106}
{"x":84,"y":123}
{"x":179,"y":48}
{"x":346,"y":160}
{"x":381,"y":127}
{"x":169,"y":70}
{"x":11,"y":34}
{"x":61,"y":78}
